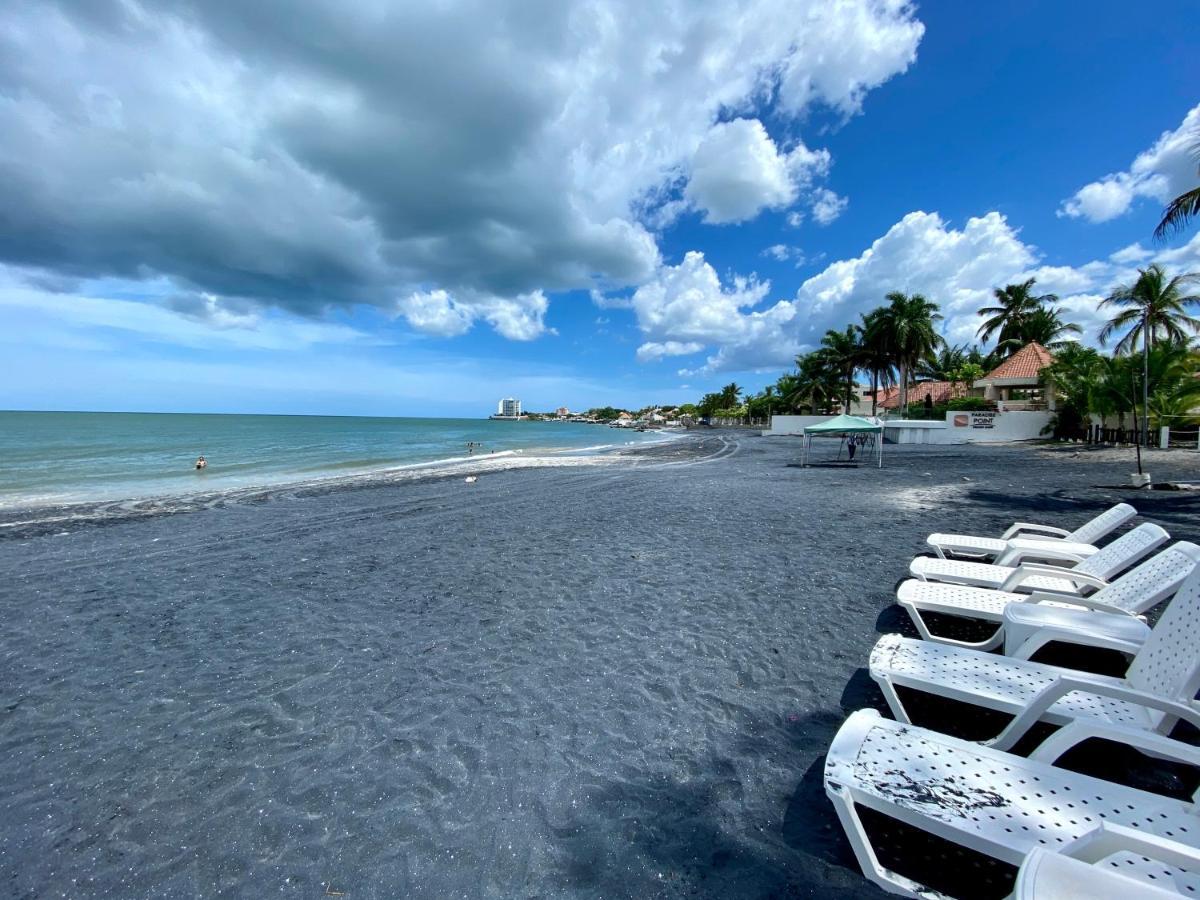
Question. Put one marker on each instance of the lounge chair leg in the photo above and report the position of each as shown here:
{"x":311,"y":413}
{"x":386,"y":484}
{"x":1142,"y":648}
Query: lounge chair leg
{"x":899,"y":713}
{"x":863,"y":852}
{"x":990,"y":643}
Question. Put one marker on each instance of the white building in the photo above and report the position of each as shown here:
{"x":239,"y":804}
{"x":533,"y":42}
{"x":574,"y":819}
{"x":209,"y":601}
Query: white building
{"x":509,"y":408}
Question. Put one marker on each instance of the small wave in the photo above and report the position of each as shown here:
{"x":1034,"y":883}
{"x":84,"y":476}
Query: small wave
{"x":38,"y":519}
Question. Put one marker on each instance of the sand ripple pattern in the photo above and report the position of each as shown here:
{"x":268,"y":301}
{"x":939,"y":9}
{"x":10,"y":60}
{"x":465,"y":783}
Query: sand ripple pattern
{"x":588,"y":681}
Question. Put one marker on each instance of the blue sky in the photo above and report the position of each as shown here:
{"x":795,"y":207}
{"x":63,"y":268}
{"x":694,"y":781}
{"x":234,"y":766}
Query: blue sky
{"x":355,"y":209}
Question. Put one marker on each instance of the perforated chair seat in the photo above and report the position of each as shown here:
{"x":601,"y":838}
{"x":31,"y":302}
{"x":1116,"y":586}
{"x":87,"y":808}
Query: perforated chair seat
{"x":994,"y":682}
{"x":960,"y":600}
{"x":1135,"y":592}
{"x":993,"y":802}
{"x":1106,"y":564}
{"x":984,"y":575}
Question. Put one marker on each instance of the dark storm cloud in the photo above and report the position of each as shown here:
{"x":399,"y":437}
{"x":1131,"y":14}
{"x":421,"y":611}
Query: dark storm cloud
{"x":313,"y":154}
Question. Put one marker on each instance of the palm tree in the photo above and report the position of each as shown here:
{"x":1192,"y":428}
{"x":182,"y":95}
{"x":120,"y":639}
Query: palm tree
{"x":1112,"y":394}
{"x":1075,"y":374}
{"x":729,"y":395}
{"x":816,"y":382}
{"x":942,"y":365}
{"x":911,"y":335}
{"x":1017,"y":303}
{"x":1045,"y":326}
{"x":1182,"y":209}
{"x":1151,"y":307}
{"x":1174,"y":385}
{"x":844,"y":351}
{"x":876,"y":358}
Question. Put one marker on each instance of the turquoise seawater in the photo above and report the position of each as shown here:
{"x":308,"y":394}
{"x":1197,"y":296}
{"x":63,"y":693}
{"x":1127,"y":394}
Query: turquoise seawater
{"x":56,"y":457}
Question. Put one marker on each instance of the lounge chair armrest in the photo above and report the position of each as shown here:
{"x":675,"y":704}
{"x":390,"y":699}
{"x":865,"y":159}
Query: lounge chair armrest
{"x":1018,"y":528}
{"x":1086,"y":602}
{"x":1066,"y":684}
{"x":1028,"y":570}
{"x":1049,"y":634}
{"x":1082,"y":730}
{"x":1047,"y":549}
{"x":1109,"y":838}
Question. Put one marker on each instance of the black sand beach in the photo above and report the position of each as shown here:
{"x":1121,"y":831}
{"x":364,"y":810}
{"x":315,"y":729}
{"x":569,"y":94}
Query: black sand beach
{"x":596,"y":681}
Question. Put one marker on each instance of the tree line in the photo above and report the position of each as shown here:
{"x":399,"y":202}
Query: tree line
{"x":898,"y":345}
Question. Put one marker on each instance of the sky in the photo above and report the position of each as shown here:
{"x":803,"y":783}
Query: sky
{"x":358,"y":207}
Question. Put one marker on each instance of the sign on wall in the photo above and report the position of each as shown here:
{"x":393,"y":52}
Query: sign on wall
{"x":976,"y":420}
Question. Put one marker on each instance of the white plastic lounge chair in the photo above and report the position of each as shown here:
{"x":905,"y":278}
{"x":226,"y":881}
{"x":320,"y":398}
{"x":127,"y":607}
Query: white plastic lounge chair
{"x":992,"y":802}
{"x":1138,"y":590}
{"x":1155,"y":692}
{"x":1100,"y":568}
{"x":1095,"y":867}
{"x":1031,"y":540}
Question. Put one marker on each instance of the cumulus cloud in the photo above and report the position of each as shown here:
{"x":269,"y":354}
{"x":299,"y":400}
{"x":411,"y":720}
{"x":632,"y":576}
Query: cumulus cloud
{"x":436,"y":313}
{"x":827,"y":206}
{"x":688,"y":303}
{"x":957,"y":268}
{"x":326,"y":154}
{"x":738,"y":171}
{"x":652,"y":351}
{"x":1162,"y":172}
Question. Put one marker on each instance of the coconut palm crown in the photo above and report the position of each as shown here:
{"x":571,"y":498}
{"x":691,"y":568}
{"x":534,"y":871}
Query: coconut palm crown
{"x":1152,"y":308}
{"x":1017,"y":303}
{"x":1182,"y":209}
{"x":908,"y":321}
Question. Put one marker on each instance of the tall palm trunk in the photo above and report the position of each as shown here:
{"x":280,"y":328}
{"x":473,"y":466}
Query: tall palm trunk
{"x":904,"y":387}
{"x":1146,"y":386}
{"x":874,"y":390}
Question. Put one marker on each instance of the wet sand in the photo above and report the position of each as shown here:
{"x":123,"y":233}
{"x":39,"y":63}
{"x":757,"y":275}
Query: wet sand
{"x":611,"y":680}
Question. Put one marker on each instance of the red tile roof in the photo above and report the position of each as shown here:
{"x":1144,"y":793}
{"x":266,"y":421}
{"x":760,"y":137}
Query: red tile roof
{"x":1025,"y":363}
{"x":940,"y":391}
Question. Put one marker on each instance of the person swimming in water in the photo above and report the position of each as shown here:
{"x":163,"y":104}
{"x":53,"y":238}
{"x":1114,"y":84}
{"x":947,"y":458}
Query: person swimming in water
{"x":201,"y":463}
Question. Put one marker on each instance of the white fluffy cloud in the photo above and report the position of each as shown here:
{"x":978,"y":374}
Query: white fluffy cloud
{"x":688,"y":305}
{"x":827,"y":206}
{"x":957,"y":268}
{"x":652,"y":351}
{"x":330,"y":153}
{"x":1160,"y":173}
{"x":519,"y":318}
{"x":738,"y":171}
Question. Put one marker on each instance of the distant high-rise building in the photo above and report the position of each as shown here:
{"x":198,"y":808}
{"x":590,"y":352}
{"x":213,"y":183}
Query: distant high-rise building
{"x":509,"y":408}
{"x":562,"y":412}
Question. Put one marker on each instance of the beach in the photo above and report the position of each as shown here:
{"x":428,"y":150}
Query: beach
{"x":610,"y":677}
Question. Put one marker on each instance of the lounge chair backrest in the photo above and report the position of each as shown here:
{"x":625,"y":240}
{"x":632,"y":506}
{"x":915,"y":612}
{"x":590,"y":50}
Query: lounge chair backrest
{"x":1169,"y":661}
{"x":1105,"y":523}
{"x":1131,"y":547}
{"x":1152,"y":582}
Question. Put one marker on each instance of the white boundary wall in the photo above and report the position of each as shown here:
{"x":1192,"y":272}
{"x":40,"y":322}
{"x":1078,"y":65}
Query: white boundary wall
{"x":962,"y":427}
{"x":958,"y":428}
{"x":984,"y":427}
{"x":792,"y":424}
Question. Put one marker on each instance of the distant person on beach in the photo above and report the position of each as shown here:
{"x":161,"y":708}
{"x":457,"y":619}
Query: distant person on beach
{"x":201,"y":463}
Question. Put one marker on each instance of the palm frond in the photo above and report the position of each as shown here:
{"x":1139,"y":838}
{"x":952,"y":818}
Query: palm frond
{"x":1178,"y":214}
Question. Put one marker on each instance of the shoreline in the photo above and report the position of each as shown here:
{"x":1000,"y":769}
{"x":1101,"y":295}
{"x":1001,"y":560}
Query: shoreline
{"x":59,"y":459}
{"x":27,"y":519}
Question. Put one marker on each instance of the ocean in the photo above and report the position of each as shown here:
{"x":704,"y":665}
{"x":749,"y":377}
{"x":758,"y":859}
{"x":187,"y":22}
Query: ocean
{"x":49,"y":458}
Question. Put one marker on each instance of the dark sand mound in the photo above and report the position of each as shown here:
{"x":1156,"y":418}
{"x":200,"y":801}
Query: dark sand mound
{"x":612,"y":681}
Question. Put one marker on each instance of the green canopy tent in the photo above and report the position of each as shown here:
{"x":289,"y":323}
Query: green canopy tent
{"x":845,"y":425}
